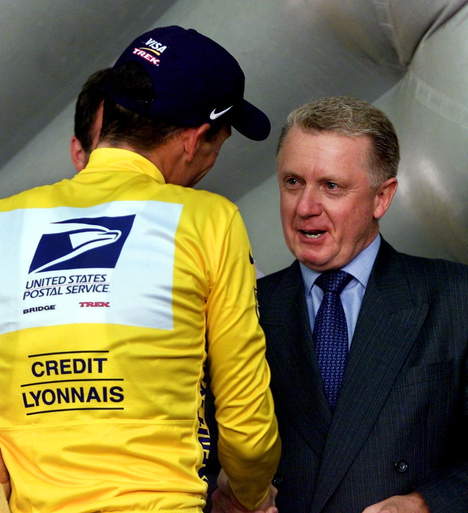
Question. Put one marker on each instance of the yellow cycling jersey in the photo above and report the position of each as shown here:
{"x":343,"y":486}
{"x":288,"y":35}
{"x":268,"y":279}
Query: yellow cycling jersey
{"x":116,"y":290}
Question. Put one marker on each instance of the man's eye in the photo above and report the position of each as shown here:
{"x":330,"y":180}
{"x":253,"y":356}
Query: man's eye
{"x":291,"y":181}
{"x":332,"y":186}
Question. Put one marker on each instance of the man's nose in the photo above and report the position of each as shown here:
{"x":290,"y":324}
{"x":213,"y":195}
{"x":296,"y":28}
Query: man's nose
{"x":309,"y":203}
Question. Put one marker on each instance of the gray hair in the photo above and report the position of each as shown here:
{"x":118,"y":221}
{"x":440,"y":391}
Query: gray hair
{"x":351,"y":117}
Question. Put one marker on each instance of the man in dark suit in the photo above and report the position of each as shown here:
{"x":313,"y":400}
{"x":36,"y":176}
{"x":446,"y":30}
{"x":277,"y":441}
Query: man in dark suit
{"x":390,"y":434}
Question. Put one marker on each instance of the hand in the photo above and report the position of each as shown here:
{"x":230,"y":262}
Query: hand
{"x":224,"y":501}
{"x":411,"y":503}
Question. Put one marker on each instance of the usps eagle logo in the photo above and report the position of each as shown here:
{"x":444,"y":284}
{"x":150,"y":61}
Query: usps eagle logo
{"x":82,"y":243}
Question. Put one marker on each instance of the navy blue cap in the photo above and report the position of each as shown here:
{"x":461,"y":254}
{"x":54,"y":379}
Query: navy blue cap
{"x":195,"y":81}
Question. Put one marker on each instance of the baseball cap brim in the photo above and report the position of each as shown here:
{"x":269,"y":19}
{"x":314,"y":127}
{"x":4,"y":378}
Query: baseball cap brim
{"x":250,"y":121}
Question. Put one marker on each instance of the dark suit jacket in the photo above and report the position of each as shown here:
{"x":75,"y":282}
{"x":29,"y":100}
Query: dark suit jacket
{"x":401,"y":422}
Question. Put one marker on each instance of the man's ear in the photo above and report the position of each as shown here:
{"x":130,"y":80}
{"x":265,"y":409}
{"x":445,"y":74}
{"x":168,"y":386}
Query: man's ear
{"x":77,"y":154}
{"x":192,"y":138}
{"x":384,"y":197}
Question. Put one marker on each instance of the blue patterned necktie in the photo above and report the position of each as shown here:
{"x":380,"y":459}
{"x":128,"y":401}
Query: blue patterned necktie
{"x":330,"y":334}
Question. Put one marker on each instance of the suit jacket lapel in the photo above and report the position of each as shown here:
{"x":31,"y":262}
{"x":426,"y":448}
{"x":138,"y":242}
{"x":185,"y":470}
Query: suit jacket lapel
{"x":293,"y":366}
{"x":387,"y":327}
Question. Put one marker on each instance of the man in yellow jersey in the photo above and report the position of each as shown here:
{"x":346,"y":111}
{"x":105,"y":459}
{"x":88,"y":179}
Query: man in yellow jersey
{"x":119,"y":288}
{"x":87,"y":127}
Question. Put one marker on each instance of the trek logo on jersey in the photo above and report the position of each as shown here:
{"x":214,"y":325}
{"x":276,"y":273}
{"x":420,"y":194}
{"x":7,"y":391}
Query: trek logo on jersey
{"x":94,"y":304}
{"x":82,"y":243}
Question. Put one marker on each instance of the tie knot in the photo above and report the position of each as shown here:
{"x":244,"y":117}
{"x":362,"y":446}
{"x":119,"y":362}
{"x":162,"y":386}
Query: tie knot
{"x":333,"y":281}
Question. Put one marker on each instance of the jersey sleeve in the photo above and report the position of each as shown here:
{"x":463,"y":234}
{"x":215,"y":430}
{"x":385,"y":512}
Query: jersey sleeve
{"x":248,"y":444}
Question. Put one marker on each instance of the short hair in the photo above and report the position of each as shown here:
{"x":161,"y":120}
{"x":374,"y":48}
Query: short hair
{"x":351,"y":117}
{"x":139,"y":131}
{"x":87,"y":104}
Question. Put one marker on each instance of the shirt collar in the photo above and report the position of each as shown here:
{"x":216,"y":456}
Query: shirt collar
{"x":360,"y":266}
{"x":117,"y":159}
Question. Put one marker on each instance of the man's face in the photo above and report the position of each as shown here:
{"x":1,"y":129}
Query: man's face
{"x":206,"y":156}
{"x":329,"y":210}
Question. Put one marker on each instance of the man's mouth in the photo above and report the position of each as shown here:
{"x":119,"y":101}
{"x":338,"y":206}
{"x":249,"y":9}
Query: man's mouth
{"x":312,"y":234}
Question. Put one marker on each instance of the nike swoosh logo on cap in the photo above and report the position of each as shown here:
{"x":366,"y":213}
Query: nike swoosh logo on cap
{"x":215,"y":115}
